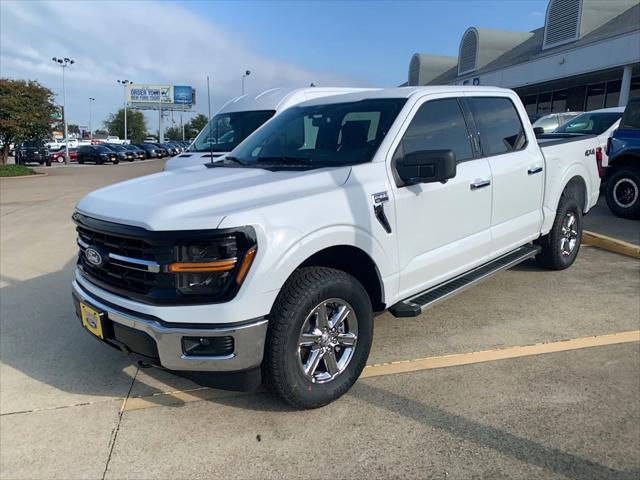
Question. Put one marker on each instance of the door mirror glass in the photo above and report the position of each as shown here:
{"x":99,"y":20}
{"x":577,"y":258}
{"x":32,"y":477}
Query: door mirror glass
{"x":426,"y":166}
{"x":538,"y":131}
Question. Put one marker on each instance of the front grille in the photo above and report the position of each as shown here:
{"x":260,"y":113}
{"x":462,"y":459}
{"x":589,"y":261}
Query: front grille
{"x":121,"y":276}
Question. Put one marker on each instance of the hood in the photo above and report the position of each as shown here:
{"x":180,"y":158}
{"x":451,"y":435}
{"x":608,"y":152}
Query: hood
{"x":188,"y":159}
{"x":199,"y":197}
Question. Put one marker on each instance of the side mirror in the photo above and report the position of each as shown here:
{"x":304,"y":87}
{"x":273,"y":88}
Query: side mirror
{"x":538,"y":131}
{"x":427,"y":166}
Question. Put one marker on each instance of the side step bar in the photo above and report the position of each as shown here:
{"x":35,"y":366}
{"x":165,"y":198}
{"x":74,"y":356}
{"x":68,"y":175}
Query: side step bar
{"x":414,"y":306}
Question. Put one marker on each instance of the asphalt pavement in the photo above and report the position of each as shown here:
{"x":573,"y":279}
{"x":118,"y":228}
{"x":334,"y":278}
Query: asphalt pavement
{"x":71,"y":407}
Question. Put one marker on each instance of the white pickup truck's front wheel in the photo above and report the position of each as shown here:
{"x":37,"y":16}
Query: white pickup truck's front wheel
{"x":320,"y":333}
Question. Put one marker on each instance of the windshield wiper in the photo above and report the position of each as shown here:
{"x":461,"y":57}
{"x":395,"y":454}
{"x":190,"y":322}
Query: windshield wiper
{"x":286,"y":160}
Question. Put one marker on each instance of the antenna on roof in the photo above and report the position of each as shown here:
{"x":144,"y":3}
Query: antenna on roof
{"x":210,"y":138}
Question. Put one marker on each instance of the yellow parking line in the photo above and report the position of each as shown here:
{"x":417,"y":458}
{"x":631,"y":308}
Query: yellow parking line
{"x":181,"y":397}
{"x":611,"y":244}
{"x":418,"y":364}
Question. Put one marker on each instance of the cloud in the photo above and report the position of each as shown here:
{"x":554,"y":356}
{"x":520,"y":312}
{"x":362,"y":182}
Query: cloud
{"x":146,"y":42}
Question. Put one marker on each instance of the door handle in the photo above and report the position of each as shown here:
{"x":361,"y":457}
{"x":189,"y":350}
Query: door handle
{"x":480,"y":184}
{"x":534,"y":170}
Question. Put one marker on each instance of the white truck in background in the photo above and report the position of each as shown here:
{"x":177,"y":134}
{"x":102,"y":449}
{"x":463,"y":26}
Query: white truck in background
{"x":240,"y":117}
{"x":116,"y":140}
{"x":269,"y":264}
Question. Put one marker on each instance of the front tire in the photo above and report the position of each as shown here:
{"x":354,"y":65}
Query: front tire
{"x":319,"y":337}
{"x":623,"y":193}
{"x":561,"y":245}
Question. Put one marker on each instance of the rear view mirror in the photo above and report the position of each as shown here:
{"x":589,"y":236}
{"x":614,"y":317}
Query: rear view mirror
{"x":427,"y":166}
{"x":538,"y":131}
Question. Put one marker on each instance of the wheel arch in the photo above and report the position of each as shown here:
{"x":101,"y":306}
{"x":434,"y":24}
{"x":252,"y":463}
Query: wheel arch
{"x":577,"y":188}
{"x":356,"y":262}
{"x":626,"y":159}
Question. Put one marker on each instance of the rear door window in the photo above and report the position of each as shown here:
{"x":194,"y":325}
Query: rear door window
{"x":439,"y":125}
{"x":499,"y":125}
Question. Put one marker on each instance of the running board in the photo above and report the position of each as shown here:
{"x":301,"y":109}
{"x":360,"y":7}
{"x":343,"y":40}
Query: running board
{"x":414,"y":306}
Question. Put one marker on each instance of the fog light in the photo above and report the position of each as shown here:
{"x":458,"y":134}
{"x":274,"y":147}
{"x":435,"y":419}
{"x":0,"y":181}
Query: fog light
{"x":207,"y":346}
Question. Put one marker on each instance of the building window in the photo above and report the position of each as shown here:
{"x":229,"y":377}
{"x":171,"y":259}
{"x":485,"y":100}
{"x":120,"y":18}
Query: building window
{"x":613,"y":94}
{"x":544,"y":103}
{"x":595,"y":97}
{"x":635,"y":88}
{"x":559,"y":103}
{"x":530,"y":104}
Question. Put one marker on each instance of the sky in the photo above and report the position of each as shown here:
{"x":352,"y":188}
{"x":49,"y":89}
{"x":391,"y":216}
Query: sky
{"x":282,"y":43}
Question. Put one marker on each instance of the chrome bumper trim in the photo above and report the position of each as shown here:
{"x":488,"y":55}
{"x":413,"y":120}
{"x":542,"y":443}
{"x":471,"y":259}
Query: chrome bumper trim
{"x":248,"y":339}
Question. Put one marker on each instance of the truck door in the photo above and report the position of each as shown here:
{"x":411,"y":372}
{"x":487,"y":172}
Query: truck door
{"x":442,"y":228}
{"x":517,"y":167}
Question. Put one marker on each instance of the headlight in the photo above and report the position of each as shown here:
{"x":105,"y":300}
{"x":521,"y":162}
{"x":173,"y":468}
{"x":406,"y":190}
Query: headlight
{"x":214,"y":267}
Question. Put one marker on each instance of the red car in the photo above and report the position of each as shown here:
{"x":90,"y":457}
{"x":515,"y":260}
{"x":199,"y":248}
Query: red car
{"x":58,"y":156}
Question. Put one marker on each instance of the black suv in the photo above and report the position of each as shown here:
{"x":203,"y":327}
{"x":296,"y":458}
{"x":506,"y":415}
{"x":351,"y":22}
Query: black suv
{"x":97,"y":154}
{"x":33,"y":151}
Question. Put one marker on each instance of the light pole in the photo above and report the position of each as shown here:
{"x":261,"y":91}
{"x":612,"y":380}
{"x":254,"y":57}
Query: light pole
{"x":124,"y":84}
{"x":91,"y":100}
{"x":64,"y":63}
{"x":245,"y":74}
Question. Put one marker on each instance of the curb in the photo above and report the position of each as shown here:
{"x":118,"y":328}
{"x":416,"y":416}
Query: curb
{"x":22,"y":177}
{"x":611,"y":244}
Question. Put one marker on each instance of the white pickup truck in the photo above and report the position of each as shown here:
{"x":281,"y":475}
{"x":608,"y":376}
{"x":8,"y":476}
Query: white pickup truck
{"x":268,"y":264}
{"x":116,"y":140}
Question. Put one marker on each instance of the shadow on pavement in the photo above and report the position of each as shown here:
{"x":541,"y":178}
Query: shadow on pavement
{"x":522,"y":449}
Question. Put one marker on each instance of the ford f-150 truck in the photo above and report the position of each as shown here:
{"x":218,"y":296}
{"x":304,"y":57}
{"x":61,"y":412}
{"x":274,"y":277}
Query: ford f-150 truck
{"x":268,"y":265}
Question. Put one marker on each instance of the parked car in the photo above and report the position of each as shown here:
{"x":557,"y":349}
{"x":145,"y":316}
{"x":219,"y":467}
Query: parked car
{"x":601,"y":123}
{"x":151,"y":150}
{"x":549,"y":123}
{"x":273,"y":260}
{"x":53,"y":144}
{"x":33,"y":151}
{"x":123,"y":153}
{"x":98,"y":154}
{"x":138,"y":152}
{"x":622,"y":174}
{"x":240,"y":117}
{"x":170,"y":148}
{"x":58,"y":155}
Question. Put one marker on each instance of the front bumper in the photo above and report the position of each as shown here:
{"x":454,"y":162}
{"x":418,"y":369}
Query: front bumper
{"x":248,"y":338}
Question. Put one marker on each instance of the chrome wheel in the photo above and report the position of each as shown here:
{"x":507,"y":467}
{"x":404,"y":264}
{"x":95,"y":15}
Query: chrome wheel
{"x":569,"y":237}
{"x":327,"y":340}
{"x":625,"y":192}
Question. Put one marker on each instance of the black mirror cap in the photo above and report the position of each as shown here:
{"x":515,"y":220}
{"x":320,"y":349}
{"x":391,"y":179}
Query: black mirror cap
{"x":538,"y":131}
{"x":427,"y":166}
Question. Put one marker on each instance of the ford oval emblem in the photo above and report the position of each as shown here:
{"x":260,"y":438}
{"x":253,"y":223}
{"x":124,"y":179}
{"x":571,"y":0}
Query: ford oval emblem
{"x":94,"y":257}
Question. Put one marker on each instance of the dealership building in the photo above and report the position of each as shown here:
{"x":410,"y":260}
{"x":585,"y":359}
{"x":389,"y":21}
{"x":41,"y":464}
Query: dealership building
{"x":586,"y":56}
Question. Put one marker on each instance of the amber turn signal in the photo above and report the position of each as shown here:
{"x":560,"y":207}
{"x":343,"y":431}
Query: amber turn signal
{"x":217,"y":266}
{"x":246,"y":263}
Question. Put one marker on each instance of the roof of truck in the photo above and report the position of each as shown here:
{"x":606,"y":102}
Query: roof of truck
{"x":280,"y":98}
{"x":403,"y":92}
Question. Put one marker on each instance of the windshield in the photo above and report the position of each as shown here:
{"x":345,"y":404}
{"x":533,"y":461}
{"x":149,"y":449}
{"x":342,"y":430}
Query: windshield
{"x":322,"y":135}
{"x":590,"y":123}
{"x":225,"y":131}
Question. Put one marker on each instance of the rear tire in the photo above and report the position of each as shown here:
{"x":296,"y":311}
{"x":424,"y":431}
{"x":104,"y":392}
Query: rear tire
{"x":305,"y":330}
{"x":561,"y":245}
{"x":623,"y":192}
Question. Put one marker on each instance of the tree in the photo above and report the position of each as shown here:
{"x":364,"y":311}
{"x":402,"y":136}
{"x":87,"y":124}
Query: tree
{"x":136,"y":125}
{"x":26,"y":110}
{"x":195,"y":126}
{"x":174,"y":133}
{"x":72,"y":128}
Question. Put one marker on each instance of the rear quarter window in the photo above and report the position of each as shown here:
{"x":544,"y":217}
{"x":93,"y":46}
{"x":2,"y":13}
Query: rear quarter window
{"x":499,"y":124}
